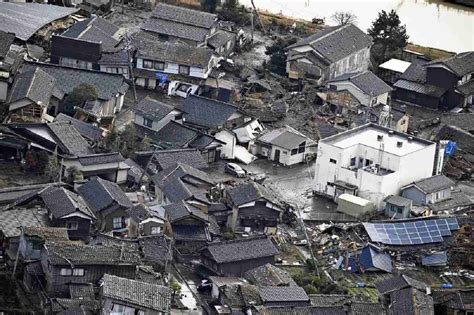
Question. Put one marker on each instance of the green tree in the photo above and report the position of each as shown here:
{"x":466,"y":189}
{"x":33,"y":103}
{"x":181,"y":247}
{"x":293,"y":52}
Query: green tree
{"x":232,"y":11}
{"x":80,"y":94}
{"x":209,"y":5}
{"x":145,"y":144}
{"x":175,"y":287}
{"x":310,"y":289}
{"x":389,"y":36}
{"x":277,"y":55}
{"x":111,"y":141}
{"x":128,"y":138}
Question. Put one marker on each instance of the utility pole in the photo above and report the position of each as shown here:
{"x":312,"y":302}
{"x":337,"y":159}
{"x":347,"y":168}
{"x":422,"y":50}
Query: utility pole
{"x":130,"y":65}
{"x":307,"y":240}
{"x":258,"y":16}
{"x":251,"y":22}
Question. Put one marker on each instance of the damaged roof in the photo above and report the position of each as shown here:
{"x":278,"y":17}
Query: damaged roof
{"x":269,"y":275}
{"x":271,"y":294}
{"x":25,"y":19}
{"x":146,"y":295}
{"x":71,"y":140}
{"x":12,"y":220}
{"x":168,"y":158}
{"x":285,"y":137}
{"x":411,"y":301}
{"x":86,"y":130}
{"x":47,"y":233}
{"x":461,"y":64}
{"x":398,"y":283}
{"x":242,"y":249}
{"x":6,"y":40}
{"x":366,"y":81}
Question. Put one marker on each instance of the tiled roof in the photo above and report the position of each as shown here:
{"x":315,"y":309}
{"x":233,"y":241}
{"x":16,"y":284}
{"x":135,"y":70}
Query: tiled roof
{"x":6,"y":39}
{"x":458,"y":199}
{"x":411,"y":301}
{"x":206,"y":112}
{"x":467,"y":88}
{"x":250,"y":191}
{"x":302,"y":310}
{"x":175,"y":29}
{"x":336,"y":43}
{"x":153,"y":108}
{"x":47,"y":233}
{"x":180,"y":210}
{"x":329,"y":299}
{"x":114,"y":57}
{"x":100,"y":194}
{"x":65,"y":253}
{"x":35,"y":268}
{"x":366,"y":81}
{"x":101,"y":158}
{"x":74,"y":306}
{"x":94,"y":29}
{"x":421,"y":88}
{"x":71,"y":140}
{"x":416,"y":72}
{"x":461,"y":64}
{"x":25,"y":19}
{"x":360,"y":308}
{"x":398,"y":201}
{"x":67,"y":78}
{"x":178,"y":171}
{"x":86,"y":130}
{"x":146,"y":295}
{"x":269,"y":275}
{"x":185,"y":232}
{"x":151,"y":48}
{"x":35,"y":85}
{"x":191,"y":157}
{"x":283,"y":294}
{"x":156,"y":248}
{"x":61,"y":202}
{"x":285,"y":137}
{"x":184,"y":15}
{"x":371,"y":258}
{"x":398,"y":283}
{"x":434,"y":183}
{"x":243,"y":249}
{"x":12,"y":220}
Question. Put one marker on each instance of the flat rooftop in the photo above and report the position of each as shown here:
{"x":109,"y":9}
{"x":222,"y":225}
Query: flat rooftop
{"x":396,"y":65}
{"x":375,"y":136}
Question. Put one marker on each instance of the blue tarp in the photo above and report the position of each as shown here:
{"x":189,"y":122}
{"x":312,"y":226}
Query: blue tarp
{"x":163,"y":78}
{"x":450,"y":148}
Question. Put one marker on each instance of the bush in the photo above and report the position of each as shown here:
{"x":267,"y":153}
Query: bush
{"x":309,"y":289}
{"x":80,"y":94}
{"x":277,"y":55}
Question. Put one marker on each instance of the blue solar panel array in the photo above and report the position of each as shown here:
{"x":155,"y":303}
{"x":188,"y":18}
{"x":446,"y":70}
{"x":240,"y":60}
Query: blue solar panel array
{"x":411,"y":233}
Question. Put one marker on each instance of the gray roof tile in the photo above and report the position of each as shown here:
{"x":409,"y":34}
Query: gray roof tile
{"x":283,"y":294}
{"x":146,"y":295}
{"x":250,"y":191}
{"x":461,"y":64}
{"x":411,"y":301}
{"x":6,"y":39}
{"x":269,"y":275}
{"x":368,"y":82}
{"x":434,"y":183}
{"x":184,"y":15}
{"x":66,"y":253}
{"x":151,"y":48}
{"x":336,"y":43}
{"x":35,"y":85}
{"x":206,"y":112}
{"x":100,"y":194}
{"x":86,"y":130}
{"x":107,"y":84}
{"x":11,"y":220}
{"x":94,"y":29}
{"x":153,"y":108}
{"x":61,"y":202}
{"x":101,"y":158}
{"x":398,"y":283}
{"x":242,"y":249}
{"x":70,"y":139}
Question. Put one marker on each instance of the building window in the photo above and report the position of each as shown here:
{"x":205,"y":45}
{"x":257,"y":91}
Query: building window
{"x":37,"y":245}
{"x":368,"y":162}
{"x":353,"y":161}
{"x":78,"y":272}
{"x":71,"y":225}
{"x":65,"y":272}
{"x":147,"y":122}
{"x":111,"y":70}
{"x":302,"y":147}
{"x":178,"y":117}
{"x":330,"y":184}
{"x":294,"y":151}
{"x":399,"y":210}
{"x":333,"y":161}
{"x":183,"y":69}
{"x":118,"y":223}
{"x":159,"y":65}
{"x":147,"y":64}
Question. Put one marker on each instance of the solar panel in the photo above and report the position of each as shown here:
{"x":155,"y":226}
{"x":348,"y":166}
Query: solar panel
{"x":411,"y":233}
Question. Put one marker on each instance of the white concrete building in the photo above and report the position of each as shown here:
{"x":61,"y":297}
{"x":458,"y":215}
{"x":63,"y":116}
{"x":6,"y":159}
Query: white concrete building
{"x":372,"y":162}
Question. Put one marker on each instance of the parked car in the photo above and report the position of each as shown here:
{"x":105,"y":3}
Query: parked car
{"x":257,"y":177}
{"x":234,"y":169}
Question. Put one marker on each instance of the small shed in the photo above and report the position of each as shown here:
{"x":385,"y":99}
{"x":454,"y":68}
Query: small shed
{"x":397,"y":207}
{"x":353,"y":205}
